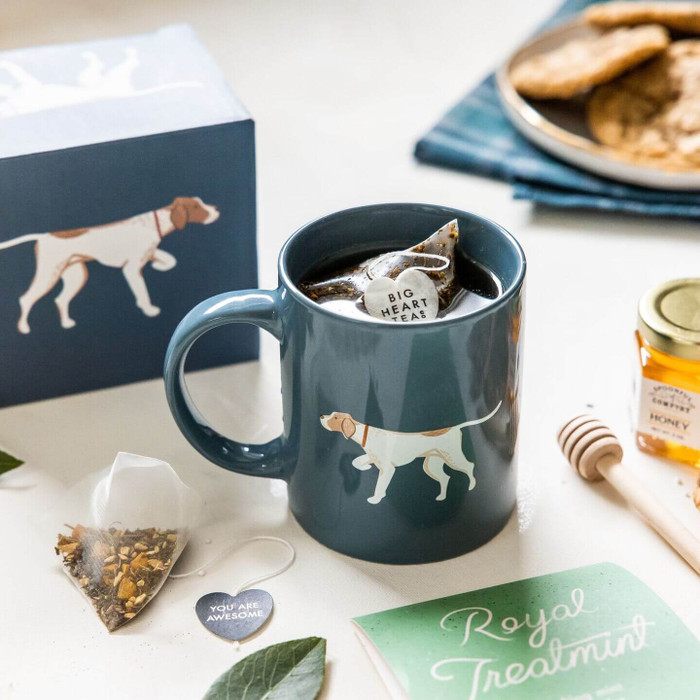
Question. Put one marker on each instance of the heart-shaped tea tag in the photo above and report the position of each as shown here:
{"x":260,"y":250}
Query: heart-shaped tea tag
{"x":411,"y":297}
{"x":234,"y":617}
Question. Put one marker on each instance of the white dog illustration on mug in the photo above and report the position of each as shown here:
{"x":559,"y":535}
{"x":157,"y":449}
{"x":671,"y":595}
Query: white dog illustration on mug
{"x":129,"y":244}
{"x":389,"y":449}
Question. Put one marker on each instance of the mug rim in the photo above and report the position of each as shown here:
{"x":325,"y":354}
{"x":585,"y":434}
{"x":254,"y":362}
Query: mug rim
{"x":508,"y":292}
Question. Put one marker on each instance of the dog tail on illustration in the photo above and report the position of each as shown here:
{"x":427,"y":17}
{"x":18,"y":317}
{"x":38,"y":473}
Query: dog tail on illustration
{"x":21,"y":239}
{"x":466,"y":424}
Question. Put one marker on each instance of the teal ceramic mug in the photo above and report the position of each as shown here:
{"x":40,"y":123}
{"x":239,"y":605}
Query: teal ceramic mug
{"x":399,"y":441}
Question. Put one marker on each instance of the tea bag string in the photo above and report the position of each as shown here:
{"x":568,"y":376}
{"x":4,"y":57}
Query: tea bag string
{"x":410,"y":254}
{"x":238,"y":545}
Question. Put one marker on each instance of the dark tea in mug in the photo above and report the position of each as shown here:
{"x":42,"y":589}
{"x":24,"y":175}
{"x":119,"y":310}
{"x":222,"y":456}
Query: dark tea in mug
{"x":463,"y":285}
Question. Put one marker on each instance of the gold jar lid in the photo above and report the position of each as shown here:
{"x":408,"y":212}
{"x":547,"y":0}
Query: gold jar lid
{"x":669,"y":318}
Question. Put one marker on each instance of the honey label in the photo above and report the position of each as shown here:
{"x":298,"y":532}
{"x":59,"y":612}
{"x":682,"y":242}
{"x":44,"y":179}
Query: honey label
{"x":669,"y":413}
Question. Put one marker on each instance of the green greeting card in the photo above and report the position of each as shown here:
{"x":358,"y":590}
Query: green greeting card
{"x":594,"y":633}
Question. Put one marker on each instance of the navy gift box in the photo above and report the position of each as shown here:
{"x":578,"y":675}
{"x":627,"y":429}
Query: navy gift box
{"x":127,"y":185}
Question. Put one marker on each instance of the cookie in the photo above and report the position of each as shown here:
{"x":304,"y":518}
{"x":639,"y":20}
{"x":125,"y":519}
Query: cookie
{"x":653,"y":112}
{"x":584,"y":63}
{"x":684,"y":16}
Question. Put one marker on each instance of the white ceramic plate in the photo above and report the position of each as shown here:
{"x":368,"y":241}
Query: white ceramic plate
{"x":559,"y":126}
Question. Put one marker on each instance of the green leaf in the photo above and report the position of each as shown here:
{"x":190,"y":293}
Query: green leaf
{"x":288,"y":671}
{"x":8,"y":462}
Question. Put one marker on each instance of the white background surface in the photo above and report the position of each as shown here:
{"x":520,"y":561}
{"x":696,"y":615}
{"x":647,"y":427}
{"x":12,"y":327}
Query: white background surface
{"x":340,"y":92}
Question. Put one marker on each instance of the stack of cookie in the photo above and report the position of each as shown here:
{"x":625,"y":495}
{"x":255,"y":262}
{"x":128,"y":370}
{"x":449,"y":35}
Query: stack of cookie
{"x":642,"y":79}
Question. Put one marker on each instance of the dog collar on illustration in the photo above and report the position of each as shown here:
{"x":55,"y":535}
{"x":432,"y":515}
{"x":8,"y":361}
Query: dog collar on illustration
{"x":364,"y":436}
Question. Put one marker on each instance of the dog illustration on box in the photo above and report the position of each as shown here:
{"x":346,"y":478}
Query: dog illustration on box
{"x":95,"y":82}
{"x":129,"y":244}
{"x":389,"y":449}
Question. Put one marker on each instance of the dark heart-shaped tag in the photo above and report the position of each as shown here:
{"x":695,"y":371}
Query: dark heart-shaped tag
{"x":234,"y":617}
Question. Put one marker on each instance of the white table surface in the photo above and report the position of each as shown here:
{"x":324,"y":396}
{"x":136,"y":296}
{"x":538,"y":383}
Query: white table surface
{"x":340,"y":92}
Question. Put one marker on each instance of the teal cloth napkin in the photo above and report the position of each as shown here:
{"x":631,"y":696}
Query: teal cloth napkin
{"x":476,"y":136}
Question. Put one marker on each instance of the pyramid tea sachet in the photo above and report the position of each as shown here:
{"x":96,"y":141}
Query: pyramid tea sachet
{"x":433,"y":279}
{"x":130,"y":523}
{"x":118,"y":570}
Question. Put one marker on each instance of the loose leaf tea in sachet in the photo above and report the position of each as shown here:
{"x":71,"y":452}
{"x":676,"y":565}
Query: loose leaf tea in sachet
{"x":130,"y":523}
{"x":118,"y":570}
{"x":435,"y":257}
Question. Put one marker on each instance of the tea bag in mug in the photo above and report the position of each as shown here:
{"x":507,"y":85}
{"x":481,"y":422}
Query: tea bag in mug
{"x":433,"y":258}
{"x":124,"y":529}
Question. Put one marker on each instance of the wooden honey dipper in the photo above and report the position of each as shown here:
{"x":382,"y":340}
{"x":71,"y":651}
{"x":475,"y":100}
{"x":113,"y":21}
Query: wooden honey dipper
{"x":595,"y":453}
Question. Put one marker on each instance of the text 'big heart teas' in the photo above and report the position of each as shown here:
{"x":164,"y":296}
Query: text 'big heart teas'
{"x":434,"y":279}
{"x":410,"y":297}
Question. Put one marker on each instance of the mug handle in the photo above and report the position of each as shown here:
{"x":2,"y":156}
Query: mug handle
{"x":256,"y":306}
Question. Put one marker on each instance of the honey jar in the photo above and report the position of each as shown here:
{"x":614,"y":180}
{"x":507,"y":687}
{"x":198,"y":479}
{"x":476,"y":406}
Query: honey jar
{"x":668,"y":380}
